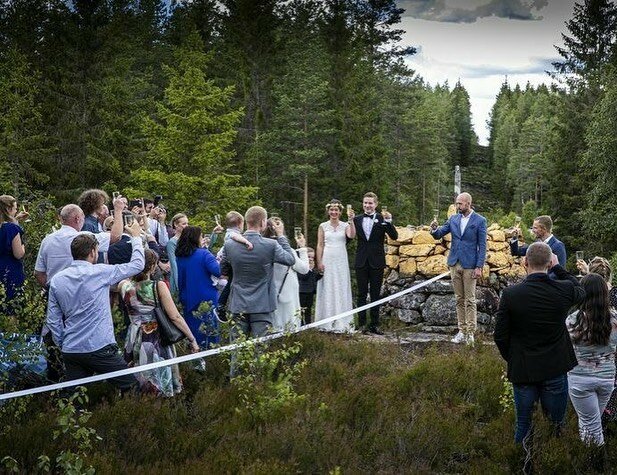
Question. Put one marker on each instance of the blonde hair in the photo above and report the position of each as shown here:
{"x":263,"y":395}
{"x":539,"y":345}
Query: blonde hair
{"x":6,"y":203}
{"x":233,"y":219}
{"x":255,"y":215}
{"x":601,"y":266}
{"x":176,"y":218}
{"x":370,"y":194}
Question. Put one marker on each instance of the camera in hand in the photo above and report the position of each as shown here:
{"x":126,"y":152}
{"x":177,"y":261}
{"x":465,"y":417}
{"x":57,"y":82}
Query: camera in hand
{"x":157,"y":199}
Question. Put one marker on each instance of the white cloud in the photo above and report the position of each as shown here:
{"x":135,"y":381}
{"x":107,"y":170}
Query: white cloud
{"x":480,"y":54}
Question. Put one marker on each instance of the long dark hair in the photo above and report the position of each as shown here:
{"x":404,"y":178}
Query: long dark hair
{"x":593,"y":324}
{"x":190,"y":239}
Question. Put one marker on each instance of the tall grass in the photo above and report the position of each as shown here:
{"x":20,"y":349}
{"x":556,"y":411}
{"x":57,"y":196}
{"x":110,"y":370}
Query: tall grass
{"x":368,"y":408}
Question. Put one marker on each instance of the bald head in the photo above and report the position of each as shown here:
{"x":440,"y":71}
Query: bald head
{"x":463,"y":203}
{"x":72,"y":215}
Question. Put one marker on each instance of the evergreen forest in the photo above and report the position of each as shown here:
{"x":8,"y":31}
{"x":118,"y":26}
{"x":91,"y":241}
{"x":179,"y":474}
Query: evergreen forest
{"x":217,"y":105}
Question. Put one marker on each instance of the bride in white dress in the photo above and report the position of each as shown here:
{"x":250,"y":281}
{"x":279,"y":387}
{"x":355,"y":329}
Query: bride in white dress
{"x":334,"y":289}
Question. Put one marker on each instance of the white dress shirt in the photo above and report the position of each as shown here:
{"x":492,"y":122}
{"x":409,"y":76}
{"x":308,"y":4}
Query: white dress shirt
{"x":465,"y":221}
{"x":55,"y":251}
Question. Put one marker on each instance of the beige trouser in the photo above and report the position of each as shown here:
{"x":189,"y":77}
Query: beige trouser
{"x":465,"y":292}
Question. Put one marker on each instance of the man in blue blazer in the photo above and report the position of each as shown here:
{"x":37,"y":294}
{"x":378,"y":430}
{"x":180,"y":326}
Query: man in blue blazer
{"x":466,"y":260}
{"x":542,"y":230}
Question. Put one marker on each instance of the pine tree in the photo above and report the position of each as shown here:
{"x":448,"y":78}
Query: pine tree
{"x":22,"y":143}
{"x":189,"y":141}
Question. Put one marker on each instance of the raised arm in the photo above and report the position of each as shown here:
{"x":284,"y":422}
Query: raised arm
{"x":137,"y":262}
{"x":302,"y":261}
{"x":441,"y":231}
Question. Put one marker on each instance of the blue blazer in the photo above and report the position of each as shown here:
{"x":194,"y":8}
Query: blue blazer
{"x":468,"y":248}
{"x":558,"y":248}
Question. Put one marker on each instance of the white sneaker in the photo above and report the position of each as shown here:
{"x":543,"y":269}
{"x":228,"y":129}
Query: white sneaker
{"x":459,"y":338}
{"x":469,"y":340}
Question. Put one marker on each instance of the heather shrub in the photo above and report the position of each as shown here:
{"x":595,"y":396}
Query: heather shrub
{"x":367,"y":407}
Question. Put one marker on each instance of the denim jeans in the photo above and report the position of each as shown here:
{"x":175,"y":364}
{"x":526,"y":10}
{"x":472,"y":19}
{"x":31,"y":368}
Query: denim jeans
{"x":553,"y":396}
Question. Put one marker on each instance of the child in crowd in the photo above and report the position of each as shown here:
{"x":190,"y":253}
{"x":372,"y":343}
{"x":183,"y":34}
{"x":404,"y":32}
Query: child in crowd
{"x":308,"y":287}
{"x":234,"y":224}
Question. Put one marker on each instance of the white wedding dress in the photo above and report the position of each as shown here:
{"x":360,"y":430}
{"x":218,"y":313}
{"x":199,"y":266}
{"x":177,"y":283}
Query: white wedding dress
{"x":334,"y":289}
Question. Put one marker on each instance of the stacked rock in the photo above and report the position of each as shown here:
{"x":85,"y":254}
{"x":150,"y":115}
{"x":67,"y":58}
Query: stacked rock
{"x":416,"y":256}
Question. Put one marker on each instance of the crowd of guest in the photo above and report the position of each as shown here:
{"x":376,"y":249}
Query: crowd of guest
{"x":557,"y":335}
{"x":124,"y":254}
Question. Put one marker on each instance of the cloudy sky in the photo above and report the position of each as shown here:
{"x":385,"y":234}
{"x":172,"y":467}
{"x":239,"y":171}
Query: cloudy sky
{"x":481,"y":42}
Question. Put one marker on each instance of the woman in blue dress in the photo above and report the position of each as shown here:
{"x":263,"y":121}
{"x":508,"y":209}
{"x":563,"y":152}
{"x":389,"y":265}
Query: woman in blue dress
{"x":12,"y":248}
{"x":196,"y":269}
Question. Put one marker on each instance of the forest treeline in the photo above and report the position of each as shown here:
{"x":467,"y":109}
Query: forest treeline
{"x":556,"y":147}
{"x":218,"y":104}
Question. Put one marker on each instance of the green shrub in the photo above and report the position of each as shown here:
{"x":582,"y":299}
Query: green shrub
{"x":367,"y":407}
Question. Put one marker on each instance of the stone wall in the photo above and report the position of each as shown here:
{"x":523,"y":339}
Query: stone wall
{"x":415,"y":257}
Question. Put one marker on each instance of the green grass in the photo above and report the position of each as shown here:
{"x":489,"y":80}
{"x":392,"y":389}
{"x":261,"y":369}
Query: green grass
{"x":369,"y":408}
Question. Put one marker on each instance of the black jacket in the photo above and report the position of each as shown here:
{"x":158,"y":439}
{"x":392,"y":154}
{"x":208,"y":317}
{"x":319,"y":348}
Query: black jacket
{"x":370,"y":251}
{"x":530,"y":329}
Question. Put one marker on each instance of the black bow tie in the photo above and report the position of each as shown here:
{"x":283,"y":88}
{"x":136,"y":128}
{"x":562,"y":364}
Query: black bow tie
{"x":369,"y":215}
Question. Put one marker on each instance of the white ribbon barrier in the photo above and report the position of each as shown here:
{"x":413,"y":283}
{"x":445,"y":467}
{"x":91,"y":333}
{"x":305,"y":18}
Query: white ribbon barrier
{"x":213,"y":351}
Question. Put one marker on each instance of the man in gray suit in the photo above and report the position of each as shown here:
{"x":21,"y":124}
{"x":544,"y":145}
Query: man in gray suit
{"x":253,"y":296}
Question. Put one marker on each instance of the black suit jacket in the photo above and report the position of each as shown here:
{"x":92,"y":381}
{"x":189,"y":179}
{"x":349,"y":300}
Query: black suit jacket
{"x":370,"y":250}
{"x":530,"y":329}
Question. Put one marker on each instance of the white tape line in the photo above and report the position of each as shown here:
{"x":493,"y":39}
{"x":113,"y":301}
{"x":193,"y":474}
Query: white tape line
{"x":214,"y":351}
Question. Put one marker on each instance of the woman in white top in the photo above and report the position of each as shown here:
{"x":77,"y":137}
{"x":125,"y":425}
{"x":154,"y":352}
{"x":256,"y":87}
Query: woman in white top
{"x":334,"y":289}
{"x":285,"y":278}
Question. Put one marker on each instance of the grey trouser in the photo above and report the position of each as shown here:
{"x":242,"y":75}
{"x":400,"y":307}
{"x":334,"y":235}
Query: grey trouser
{"x":589,"y":395}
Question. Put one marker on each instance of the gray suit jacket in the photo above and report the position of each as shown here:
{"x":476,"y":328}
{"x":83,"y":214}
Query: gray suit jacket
{"x":252,"y":286}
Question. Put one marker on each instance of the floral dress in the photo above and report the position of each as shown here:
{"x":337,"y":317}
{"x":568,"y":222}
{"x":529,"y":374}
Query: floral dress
{"x":143,"y":342}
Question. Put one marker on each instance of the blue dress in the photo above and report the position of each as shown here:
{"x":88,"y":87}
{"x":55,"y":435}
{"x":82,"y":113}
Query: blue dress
{"x":195,"y":286}
{"x":12,"y":274}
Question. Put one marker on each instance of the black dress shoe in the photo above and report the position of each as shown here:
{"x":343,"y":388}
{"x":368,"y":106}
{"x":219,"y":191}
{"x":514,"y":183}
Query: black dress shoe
{"x":376,"y":331}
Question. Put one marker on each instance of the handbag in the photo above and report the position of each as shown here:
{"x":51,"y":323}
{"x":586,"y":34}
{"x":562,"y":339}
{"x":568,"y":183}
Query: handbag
{"x":168,"y":332}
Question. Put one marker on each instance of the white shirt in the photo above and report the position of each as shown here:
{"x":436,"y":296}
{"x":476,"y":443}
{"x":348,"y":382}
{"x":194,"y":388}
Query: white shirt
{"x":465,"y":221}
{"x":367,"y":225}
{"x":548,"y":238}
{"x":55,"y":251}
{"x":159,"y":231}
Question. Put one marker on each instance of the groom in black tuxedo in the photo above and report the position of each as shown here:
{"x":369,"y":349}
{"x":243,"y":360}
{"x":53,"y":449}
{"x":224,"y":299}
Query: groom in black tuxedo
{"x":371,"y":227}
